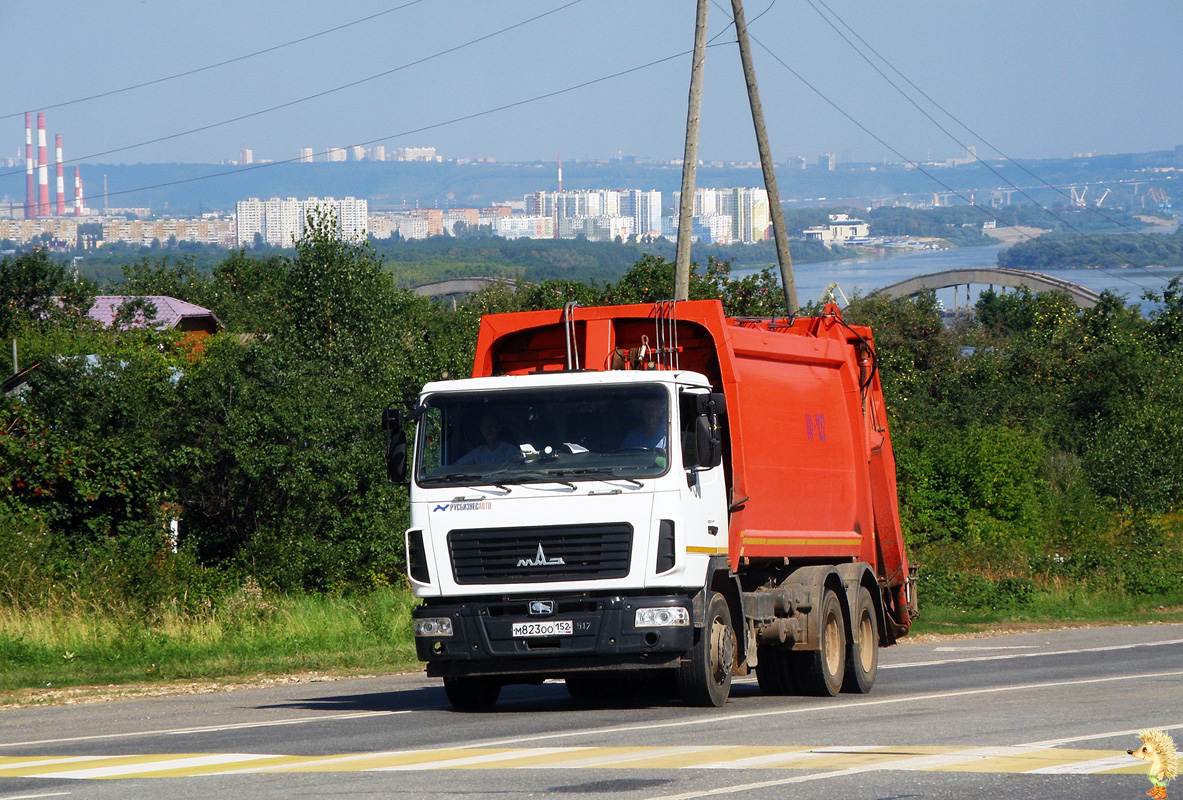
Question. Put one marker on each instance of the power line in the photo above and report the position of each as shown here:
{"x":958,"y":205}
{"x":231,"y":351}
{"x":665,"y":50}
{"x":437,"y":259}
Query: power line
{"x":220,"y":63}
{"x":433,"y":126}
{"x":881,"y":141}
{"x":951,"y":116}
{"x":948,"y":133}
{"x":316,"y":95}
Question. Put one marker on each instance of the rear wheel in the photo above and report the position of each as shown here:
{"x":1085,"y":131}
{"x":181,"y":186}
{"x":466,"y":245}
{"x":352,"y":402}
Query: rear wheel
{"x":862,"y":659}
{"x":704,"y":675}
{"x":472,"y":693}
{"x":820,"y":672}
{"x":774,"y":670}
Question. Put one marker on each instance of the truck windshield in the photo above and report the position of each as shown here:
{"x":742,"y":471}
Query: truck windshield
{"x":544,"y":435}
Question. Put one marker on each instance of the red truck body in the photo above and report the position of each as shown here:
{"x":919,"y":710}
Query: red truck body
{"x":808,"y":455}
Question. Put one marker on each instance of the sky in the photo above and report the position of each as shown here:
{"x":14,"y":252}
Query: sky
{"x":1034,"y":78}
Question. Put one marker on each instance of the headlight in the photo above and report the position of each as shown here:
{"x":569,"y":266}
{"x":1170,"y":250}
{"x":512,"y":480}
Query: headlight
{"x":661,"y":617}
{"x":433,"y":626}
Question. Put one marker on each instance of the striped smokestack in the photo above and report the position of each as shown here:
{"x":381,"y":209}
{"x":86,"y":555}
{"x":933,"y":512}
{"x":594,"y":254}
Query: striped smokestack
{"x":560,"y":173}
{"x":42,"y":170}
{"x":30,"y":181}
{"x":77,"y":193}
{"x":61,"y":183}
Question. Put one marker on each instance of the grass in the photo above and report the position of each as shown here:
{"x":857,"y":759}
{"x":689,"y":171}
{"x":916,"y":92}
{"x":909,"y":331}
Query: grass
{"x":1061,"y":606}
{"x":244,"y":639}
{"x":251,"y":636}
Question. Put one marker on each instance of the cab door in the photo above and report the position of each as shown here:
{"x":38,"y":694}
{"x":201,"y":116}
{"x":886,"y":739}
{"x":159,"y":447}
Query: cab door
{"x":703,"y":492}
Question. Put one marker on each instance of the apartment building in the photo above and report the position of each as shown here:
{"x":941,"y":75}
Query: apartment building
{"x":209,"y":229}
{"x":747,"y":208}
{"x":282,"y":222}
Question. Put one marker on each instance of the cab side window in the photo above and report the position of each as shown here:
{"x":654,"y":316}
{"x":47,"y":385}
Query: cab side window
{"x":686,"y":415}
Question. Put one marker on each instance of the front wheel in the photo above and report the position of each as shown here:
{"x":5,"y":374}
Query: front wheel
{"x":704,"y":675}
{"x":472,"y":693}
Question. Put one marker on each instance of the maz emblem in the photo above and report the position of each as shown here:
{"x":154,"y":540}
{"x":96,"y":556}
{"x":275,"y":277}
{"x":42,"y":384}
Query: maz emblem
{"x":540,"y":560}
{"x":542,"y":607}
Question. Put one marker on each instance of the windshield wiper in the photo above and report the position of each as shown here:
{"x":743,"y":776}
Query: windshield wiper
{"x":469,"y":478}
{"x":608,"y":471}
{"x":512,"y":476}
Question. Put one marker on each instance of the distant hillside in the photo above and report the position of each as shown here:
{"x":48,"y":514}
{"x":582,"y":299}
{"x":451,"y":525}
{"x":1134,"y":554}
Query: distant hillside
{"x":191,"y":188}
{"x":1067,"y":250}
{"x":422,"y":261}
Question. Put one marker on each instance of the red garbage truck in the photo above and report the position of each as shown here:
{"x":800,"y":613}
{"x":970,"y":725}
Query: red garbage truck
{"x":657,"y":489}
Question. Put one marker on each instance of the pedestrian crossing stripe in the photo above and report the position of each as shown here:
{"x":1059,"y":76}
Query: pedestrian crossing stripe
{"x":1016,"y":759}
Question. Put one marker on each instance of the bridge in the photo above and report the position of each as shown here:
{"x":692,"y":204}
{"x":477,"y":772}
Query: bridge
{"x":953,"y":278}
{"x":991,"y":276}
{"x":461,"y":286}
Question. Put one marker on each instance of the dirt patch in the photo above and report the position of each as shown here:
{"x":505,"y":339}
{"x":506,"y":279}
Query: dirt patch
{"x":1019,"y":233}
{"x":80,"y":695}
{"x":987,"y":630}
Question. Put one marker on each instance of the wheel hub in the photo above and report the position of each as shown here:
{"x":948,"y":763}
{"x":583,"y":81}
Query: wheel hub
{"x":722,"y":650}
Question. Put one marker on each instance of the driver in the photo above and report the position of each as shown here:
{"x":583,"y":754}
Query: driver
{"x":492,"y":450}
{"x":651,"y":433}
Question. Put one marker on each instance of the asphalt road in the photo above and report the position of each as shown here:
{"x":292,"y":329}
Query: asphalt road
{"x":1021,"y":716}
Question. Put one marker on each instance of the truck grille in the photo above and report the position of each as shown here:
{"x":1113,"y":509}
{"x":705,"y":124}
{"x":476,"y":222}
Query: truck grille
{"x":540,"y":554}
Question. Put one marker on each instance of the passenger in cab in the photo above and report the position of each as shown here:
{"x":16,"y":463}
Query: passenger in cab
{"x":652,"y":433}
{"x":492,"y":450}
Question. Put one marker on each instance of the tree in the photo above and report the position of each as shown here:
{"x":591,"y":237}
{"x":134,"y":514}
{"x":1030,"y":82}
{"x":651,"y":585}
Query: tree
{"x":286,"y":475}
{"x":39,"y":293}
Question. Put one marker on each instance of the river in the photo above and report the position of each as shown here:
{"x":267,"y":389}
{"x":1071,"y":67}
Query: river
{"x":866,"y":274}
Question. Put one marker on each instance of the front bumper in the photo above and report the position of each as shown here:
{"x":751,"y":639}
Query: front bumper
{"x":603,"y":636}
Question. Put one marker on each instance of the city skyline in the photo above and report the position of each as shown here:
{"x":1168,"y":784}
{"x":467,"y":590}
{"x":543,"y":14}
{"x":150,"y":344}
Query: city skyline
{"x":1037,"y":80}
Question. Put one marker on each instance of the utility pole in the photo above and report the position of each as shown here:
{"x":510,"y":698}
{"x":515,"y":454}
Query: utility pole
{"x":690,"y":158}
{"x":778,"y":216}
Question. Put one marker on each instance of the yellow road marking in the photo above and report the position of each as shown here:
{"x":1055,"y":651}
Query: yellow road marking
{"x":1017,"y":759}
{"x":1046,"y":760}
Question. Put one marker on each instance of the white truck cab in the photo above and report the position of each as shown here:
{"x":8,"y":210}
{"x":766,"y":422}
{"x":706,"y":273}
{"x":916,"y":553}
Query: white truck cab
{"x":562,"y":523}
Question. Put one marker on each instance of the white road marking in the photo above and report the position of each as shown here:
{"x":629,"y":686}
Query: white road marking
{"x":465,"y":761}
{"x":962,"y":648}
{"x":41,"y":762}
{"x":616,"y":759}
{"x":1109,"y":735}
{"x":209,"y":729}
{"x":318,"y":761}
{"x":1041,"y":654}
{"x":779,"y":759}
{"x":125,"y":770}
{"x":829,"y":708}
{"x":1086,"y":767}
{"x":910,"y":764}
{"x":31,"y":796}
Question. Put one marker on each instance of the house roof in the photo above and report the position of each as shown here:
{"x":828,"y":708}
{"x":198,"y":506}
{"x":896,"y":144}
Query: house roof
{"x":170,"y":312}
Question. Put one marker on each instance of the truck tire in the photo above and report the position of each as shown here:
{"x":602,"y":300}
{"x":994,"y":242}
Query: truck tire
{"x":862,"y":657}
{"x":820,"y":672}
{"x":704,"y":675}
{"x":774,"y":670}
{"x":467,"y":693}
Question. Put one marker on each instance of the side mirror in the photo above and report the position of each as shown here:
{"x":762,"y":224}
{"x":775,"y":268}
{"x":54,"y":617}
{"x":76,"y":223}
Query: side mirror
{"x":708,"y":441}
{"x":714,"y":403}
{"x":396,"y":445}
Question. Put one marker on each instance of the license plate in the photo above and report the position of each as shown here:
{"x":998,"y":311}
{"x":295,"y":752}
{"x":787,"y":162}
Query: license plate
{"x":552,"y":627}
